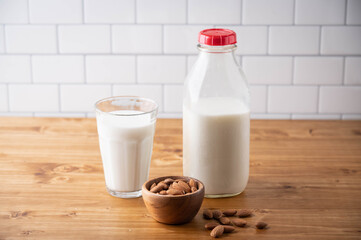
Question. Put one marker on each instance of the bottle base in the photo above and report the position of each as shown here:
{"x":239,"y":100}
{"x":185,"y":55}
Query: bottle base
{"x":118,"y":194}
{"x":221,"y":195}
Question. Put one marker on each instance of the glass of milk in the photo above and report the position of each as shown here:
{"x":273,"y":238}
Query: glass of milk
{"x":126,"y":128}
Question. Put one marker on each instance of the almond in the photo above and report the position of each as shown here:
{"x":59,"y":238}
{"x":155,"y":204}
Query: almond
{"x":229,"y":212}
{"x":163,"y":192}
{"x":185,"y":186}
{"x":225,"y":220}
{"x":217,"y":231}
{"x":193,"y":189}
{"x":165,"y":186}
{"x":168,"y":181}
{"x":157,"y":188}
{"x":207,"y":214}
{"x":228,"y":229}
{"x":153,"y":185}
{"x":193,"y":184}
{"x":239,"y":222}
{"x":261,"y":225}
{"x":244,"y":213}
{"x":173,"y":191}
{"x":217,"y":214}
{"x":211,"y":225}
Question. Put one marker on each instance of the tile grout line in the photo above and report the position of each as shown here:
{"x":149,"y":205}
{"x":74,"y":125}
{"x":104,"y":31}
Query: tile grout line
{"x":135,"y":11}
{"x":4,"y":34}
{"x":318,"y":99}
{"x":83,"y":11}
{"x":163,"y":98}
{"x":187,"y":12}
{"x":268,"y":40}
{"x":293,"y":70}
{"x":184,"y":25}
{"x":345,"y":19}
{"x":319,"y":40}
{"x":84,"y":69}
{"x":294,"y":12}
{"x":162,"y":38}
{"x":28,"y":11}
{"x":267,"y":99}
{"x":136,"y":69}
{"x":344,"y":71}
{"x":8,"y":96}
{"x":241,"y":12}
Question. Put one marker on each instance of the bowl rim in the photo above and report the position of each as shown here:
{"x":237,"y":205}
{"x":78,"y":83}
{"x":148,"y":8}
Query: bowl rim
{"x":199,"y":191}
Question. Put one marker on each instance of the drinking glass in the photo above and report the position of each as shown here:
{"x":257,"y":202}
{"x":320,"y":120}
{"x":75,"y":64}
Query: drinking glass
{"x":126,"y":126}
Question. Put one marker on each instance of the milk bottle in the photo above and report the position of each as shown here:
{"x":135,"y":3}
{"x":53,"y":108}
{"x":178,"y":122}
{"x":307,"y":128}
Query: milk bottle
{"x":216,"y":123}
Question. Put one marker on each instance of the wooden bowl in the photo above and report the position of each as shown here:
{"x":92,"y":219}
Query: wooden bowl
{"x":171,"y":209}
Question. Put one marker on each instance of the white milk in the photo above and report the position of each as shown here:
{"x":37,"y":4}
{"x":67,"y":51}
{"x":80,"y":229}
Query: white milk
{"x":126,"y":147}
{"x":219,"y":128}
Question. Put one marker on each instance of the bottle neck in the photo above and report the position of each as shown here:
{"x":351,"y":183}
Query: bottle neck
{"x":217,"y":49}
{"x":217,"y":54}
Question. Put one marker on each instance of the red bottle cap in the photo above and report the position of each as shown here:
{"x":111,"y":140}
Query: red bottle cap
{"x":217,"y":37}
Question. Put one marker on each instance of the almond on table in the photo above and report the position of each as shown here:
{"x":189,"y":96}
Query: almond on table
{"x":211,"y":225}
{"x":207,"y":214}
{"x":229,"y":212}
{"x":239,"y":222}
{"x":217,"y":231}
{"x":243,"y":213}
{"x":217,"y":214}
{"x":228,"y":229}
{"x":261,"y":225}
{"x":225,"y":220}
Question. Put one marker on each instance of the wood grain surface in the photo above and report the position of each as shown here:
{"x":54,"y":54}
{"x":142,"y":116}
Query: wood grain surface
{"x":305,"y":182}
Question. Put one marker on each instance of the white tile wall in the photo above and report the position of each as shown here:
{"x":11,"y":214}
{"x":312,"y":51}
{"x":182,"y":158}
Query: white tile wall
{"x":268,"y":70}
{"x":15,"y":68}
{"x":30,"y":39}
{"x":148,"y":91}
{"x":173,"y":98}
{"x":161,"y":69}
{"x":353,"y":12}
{"x":3,"y":98}
{"x":318,"y":70}
{"x":258,"y":99}
{"x":320,"y":11}
{"x":137,"y":39}
{"x":57,"y":57}
{"x":110,"y":69}
{"x":341,"y":40}
{"x":55,"y":11}
{"x":80,"y":98}
{"x":84,"y":39}
{"x":214,"y":12}
{"x":268,"y":12}
{"x":353,"y":71}
{"x":162,"y":11}
{"x":58,"y":69}
{"x":294,"y":40}
{"x":285,"y":99}
{"x":251,"y":40}
{"x":14,"y":11}
{"x":33,"y":98}
{"x":340,"y":99}
{"x":109,"y":11}
{"x":181,"y":39}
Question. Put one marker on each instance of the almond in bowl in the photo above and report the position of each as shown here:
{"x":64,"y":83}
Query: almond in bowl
{"x":173,"y":199}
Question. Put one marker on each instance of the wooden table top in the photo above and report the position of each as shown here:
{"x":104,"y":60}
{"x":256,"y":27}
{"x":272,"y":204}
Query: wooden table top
{"x":305,"y":182}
